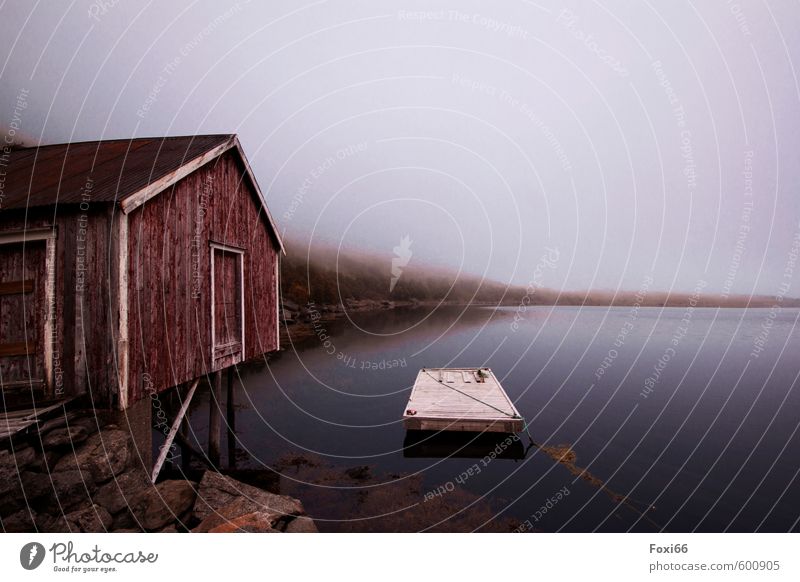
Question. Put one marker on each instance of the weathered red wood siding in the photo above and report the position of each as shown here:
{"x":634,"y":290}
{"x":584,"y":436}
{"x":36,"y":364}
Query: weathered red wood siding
{"x":169,"y":287}
{"x":22,"y":313}
{"x":16,"y":221}
{"x":83,"y":325}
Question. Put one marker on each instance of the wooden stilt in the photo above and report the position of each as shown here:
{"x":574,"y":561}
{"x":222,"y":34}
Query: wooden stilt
{"x":214,"y":418}
{"x":231,"y":418}
{"x":183,"y":437}
{"x":193,"y":452}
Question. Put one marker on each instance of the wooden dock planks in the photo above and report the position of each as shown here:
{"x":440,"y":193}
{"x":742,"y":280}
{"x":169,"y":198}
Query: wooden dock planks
{"x":17,"y":421}
{"x":460,"y":399}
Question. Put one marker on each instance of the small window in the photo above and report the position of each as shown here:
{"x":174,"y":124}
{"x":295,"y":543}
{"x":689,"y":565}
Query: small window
{"x":227,"y":302}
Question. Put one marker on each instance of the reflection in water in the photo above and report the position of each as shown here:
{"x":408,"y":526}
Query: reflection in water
{"x":423,"y":444}
{"x":712,"y":444}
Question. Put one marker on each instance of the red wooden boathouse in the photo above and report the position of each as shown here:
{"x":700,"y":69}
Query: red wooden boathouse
{"x":128,"y":267}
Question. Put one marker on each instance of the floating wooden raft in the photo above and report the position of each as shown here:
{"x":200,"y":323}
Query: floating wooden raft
{"x":460,"y":399}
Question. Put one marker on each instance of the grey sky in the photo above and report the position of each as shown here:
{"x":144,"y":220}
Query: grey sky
{"x":616,"y":132}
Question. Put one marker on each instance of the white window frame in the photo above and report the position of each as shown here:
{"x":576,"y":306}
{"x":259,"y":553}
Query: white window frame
{"x":214,"y":247}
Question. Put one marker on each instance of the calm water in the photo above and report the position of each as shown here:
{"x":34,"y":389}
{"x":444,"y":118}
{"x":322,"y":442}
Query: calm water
{"x":693,"y":416}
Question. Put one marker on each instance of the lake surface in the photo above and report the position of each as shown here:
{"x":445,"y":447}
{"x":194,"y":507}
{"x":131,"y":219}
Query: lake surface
{"x":679,"y":420}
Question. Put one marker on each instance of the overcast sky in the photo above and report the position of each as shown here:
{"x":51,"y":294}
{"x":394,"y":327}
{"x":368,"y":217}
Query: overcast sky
{"x":637,"y":138}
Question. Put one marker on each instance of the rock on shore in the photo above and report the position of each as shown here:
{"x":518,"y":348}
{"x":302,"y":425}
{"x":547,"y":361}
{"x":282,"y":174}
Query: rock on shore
{"x":90,"y":479}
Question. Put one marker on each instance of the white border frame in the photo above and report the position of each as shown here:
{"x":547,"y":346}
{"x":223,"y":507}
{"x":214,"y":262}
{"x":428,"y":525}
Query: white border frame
{"x":228,"y":249}
{"x":49,"y":236}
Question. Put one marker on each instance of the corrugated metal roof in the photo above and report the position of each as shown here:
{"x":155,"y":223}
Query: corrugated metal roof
{"x":108,"y":170}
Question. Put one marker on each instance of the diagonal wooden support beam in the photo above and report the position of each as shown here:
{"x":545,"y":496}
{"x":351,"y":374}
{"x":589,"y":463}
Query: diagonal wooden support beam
{"x":162,"y":456}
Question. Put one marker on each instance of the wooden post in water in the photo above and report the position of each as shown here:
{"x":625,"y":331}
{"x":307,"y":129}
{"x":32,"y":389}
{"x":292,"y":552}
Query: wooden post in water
{"x":183,"y":434}
{"x":231,"y":419}
{"x":214,"y":418}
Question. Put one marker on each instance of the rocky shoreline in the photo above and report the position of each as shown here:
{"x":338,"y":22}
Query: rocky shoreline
{"x":81,"y":474}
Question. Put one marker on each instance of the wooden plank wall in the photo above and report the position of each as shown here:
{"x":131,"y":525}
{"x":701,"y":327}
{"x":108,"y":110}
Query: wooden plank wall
{"x":22,"y":311}
{"x":15,"y":221}
{"x":95,"y":325}
{"x":169,"y":276}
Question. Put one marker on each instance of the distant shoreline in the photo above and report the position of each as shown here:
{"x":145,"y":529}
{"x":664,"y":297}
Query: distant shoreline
{"x":298,"y":322}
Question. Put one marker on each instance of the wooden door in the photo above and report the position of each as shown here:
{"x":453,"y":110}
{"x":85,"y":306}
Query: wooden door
{"x":22,"y":317}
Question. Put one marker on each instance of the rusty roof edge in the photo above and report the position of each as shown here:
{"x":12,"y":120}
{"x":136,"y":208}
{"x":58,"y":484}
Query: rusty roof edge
{"x":132,"y":201}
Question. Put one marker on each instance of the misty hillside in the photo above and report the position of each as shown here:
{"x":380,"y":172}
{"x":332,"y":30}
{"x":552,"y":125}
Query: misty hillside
{"x":321,"y":280}
{"x":325,"y":278}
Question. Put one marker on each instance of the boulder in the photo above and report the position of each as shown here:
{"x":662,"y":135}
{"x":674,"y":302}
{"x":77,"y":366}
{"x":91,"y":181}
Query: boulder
{"x":158,"y":506}
{"x":70,"y":488}
{"x":125,"y":521}
{"x":256,"y":522}
{"x":90,"y":519}
{"x":217,"y":491}
{"x":361,"y":473}
{"x":104,"y":455}
{"x":36,"y":485}
{"x":27,"y":457}
{"x":52,"y":424}
{"x":10,"y":489}
{"x":22,"y":521}
{"x":301,"y":525}
{"x":49,"y":524}
{"x":119,"y":493}
{"x":49,"y":461}
{"x":90,"y":423}
{"x":66,"y":437}
{"x":239,"y":514}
